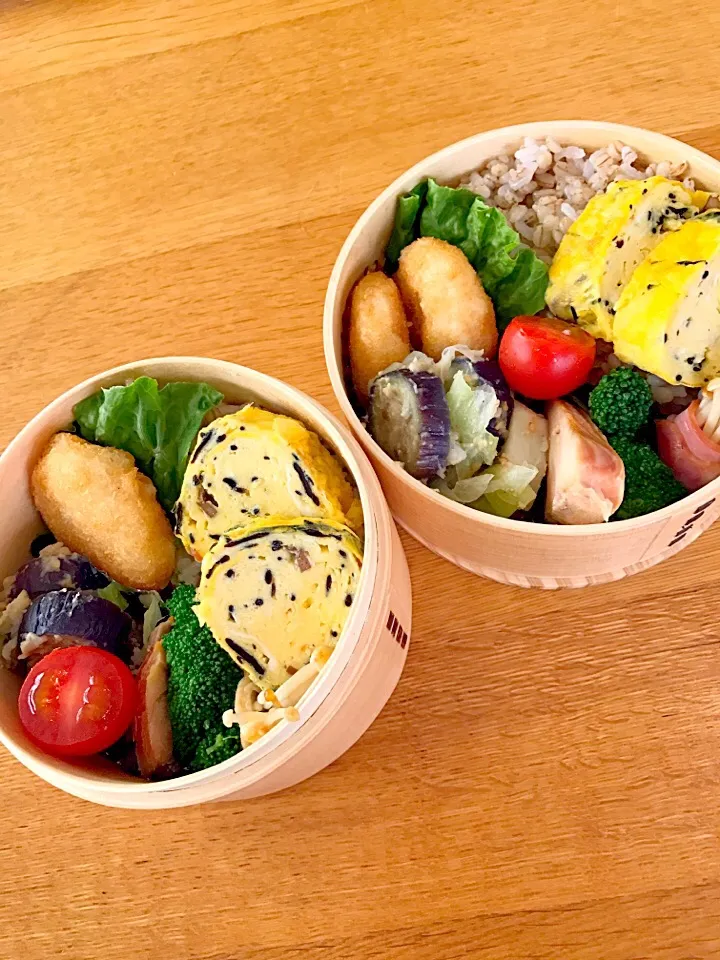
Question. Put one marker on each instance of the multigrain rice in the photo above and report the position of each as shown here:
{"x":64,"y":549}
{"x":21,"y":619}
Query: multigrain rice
{"x":543,"y":187}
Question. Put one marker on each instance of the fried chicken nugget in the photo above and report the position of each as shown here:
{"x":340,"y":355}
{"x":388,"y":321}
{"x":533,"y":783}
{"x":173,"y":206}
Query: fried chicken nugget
{"x":444,"y":298}
{"x":95,"y":501}
{"x":378,"y":329}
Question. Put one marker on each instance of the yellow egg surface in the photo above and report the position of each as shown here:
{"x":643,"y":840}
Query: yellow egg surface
{"x":273,"y":591}
{"x":668,"y":318}
{"x":602,"y":248}
{"x":254,"y":464}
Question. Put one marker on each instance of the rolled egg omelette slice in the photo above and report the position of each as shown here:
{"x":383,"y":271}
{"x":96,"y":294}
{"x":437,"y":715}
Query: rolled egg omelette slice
{"x":254,"y":464}
{"x":602,"y":248}
{"x":274,"y":591}
{"x":668,"y":318}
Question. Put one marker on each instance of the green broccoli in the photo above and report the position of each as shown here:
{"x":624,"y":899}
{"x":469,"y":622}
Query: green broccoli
{"x":202,"y":680}
{"x":649,"y":483}
{"x":620,"y":403}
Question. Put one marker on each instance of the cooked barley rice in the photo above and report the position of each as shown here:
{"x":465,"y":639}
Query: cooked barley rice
{"x":544,"y":186}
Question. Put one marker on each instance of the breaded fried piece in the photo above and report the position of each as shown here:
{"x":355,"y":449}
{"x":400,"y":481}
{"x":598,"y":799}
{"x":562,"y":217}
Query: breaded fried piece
{"x":444,"y":299}
{"x":378,"y":329}
{"x":95,"y":501}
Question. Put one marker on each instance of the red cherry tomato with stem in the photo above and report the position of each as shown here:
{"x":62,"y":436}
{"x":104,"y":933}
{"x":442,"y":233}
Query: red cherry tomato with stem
{"x":544,"y":358}
{"x":77,"y":701}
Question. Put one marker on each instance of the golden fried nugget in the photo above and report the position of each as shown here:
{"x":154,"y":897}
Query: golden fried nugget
{"x":378,"y":329}
{"x":444,"y":298}
{"x":95,"y":501}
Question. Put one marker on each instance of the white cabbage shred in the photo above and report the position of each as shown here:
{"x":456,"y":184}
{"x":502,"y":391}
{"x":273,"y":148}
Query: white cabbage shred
{"x":474,"y":474}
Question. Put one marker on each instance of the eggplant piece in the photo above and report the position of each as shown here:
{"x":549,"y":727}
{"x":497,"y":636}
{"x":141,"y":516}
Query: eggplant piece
{"x":81,"y":614}
{"x":45,"y":574}
{"x":409,"y":419}
{"x":122,"y":753}
{"x":488,"y":372}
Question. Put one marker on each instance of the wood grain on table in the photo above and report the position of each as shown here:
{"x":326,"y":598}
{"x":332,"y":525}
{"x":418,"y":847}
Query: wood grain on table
{"x":178,"y":177}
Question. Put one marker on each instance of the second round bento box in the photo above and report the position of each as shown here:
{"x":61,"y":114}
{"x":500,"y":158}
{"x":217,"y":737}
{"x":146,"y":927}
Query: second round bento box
{"x":507,"y":550}
{"x":350,"y":691}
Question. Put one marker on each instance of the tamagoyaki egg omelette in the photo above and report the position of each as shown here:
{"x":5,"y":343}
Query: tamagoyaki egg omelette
{"x":253,"y":464}
{"x":668,"y":318}
{"x":273,"y":591}
{"x":612,"y":235}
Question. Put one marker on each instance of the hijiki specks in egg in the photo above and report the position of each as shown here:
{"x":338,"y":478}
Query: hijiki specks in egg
{"x":541,"y":341}
{"x":200,"y":562}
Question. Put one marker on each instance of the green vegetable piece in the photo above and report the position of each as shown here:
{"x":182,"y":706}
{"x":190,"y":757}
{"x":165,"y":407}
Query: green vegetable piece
{"x":510,"y":491}
{"x":157,"y":426}
{"x":154,"y":612}
{"x":471,"y":410}
{"x":114,"y":594}
{"x":447,"y":216}
{"x":202,"y":680}
{"x":520,"y":292}
{"x":184,"y":407}
{"x":620,"y":404}
{"x":89,"y":411}
{"x":128,"y":419}
{"x":649,"y":483}
{"x":496,"y":243}
{"x":225,"y":745}
{"x":405,"y":229}
{"x":514,"y":278}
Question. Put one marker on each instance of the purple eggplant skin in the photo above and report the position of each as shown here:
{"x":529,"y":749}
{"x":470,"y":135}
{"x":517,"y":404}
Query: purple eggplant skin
{"x":487,"y":371}
{"x":79,"y":613}
{"x":409,"y":419}
{"x":45,"y":574}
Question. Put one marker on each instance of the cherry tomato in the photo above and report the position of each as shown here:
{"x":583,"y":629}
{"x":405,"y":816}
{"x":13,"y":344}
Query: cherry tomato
{"x":544,"y":358}
{"x":77,"y":701}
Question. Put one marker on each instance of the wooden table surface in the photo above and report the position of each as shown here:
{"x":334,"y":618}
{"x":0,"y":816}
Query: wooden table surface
{"x":178,"y":177}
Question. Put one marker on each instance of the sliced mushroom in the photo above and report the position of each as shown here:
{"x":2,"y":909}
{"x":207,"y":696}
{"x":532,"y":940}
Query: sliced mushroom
{"x":259,"y":724}
{"x":152,"y":731}
{"x":288,"y":694}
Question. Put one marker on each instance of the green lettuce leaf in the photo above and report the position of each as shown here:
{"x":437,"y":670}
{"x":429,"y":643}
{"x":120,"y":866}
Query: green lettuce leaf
{"x":124,"y":417}
{"x":447,"y":216}
{"x":514,"y":278}
{"x":406,"y":226}
{"x":522,"y":291}
{"x":157,"y":426}
{"x":90,"y":408}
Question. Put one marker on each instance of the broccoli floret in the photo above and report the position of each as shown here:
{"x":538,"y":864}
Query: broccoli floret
{"x":620,"y":403}
{"x":225,"y":745}
{"x":649,"y":483}
{"x":202,"y":680}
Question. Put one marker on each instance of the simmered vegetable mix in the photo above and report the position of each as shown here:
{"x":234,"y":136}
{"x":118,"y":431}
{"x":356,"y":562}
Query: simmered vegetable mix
{"x":564,"y":372}
{"x":188,"y":611}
